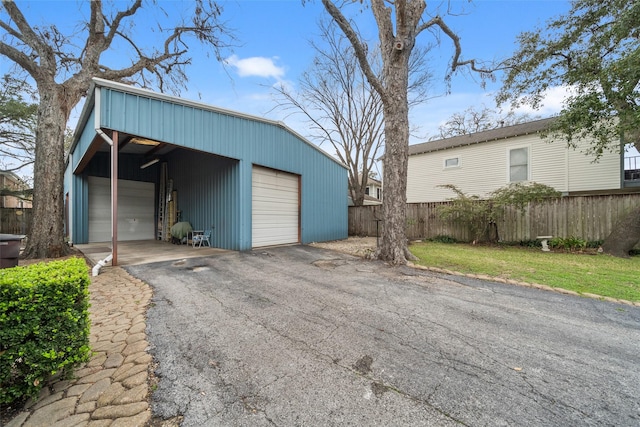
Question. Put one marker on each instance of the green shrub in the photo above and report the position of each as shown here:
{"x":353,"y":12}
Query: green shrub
{"x":442,"y":238}
{"x":595,"y":243}
{"x":44,"y":324}
{"x":528,"y":243}
{"x":481,"y":215}
{"x":568,"y":244}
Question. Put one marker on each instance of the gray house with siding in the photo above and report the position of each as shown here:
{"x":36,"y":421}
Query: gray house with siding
{"x":251,"y":181}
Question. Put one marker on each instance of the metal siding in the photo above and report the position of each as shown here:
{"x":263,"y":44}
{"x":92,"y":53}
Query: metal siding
{"x":255,"y":142}
{"x":144,"y":115}
{"x":86,"y":137}
{"x":80,"y":205}
{"x":207,"y":189}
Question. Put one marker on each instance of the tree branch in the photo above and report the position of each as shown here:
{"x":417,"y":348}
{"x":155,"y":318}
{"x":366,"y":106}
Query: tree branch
{"x":361,"y":52}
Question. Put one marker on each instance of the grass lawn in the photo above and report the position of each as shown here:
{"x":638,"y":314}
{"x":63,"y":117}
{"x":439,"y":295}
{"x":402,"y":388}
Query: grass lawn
{"x":596,"y":274}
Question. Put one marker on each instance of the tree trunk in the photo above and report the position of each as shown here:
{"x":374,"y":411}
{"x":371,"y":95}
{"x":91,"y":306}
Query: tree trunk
{"x":393,"y":246}
{"x":625,"y":235}
{"x":357,"y":191}
{"x":47,"y":229}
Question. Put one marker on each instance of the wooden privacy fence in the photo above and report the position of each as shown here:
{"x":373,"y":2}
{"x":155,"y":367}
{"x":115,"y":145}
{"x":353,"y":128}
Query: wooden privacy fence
{"x":15,"y":221}
{"x":588,"y":217}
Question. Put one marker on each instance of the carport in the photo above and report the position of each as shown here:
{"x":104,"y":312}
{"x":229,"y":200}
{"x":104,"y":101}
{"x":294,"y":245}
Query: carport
{"x":248,"y":181}
{"x":139,"y":252}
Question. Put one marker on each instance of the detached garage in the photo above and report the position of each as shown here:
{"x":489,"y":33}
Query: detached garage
{"x":248,"y":181}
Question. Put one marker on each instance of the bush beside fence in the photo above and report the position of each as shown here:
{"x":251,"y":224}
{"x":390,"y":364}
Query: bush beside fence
{"x":589,"y":217}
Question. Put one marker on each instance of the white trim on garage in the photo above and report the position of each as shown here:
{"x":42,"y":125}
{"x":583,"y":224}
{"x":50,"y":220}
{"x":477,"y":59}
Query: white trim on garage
{"x":135,"y":210}
{"x":275,"y":207}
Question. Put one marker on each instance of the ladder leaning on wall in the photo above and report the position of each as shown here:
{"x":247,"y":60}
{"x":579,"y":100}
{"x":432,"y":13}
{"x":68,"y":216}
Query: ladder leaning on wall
{"x":166,"y":205}
{"x":162,"y":202}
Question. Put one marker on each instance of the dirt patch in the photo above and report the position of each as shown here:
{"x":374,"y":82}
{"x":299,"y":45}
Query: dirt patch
{"x":359,"y":246}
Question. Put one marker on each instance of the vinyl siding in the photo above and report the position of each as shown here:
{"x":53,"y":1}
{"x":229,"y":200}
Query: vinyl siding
{"x":587,"y":175}
{"x":484,"y":167}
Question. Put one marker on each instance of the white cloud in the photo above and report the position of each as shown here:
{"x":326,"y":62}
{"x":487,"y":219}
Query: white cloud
{"x":256,"y":66}
{"x":552,"y":103}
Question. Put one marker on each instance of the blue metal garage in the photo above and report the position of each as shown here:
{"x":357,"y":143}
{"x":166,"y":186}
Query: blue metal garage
{"x":251,"y":182}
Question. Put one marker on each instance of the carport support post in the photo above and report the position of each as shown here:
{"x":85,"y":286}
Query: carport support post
{"x":114,"y":198}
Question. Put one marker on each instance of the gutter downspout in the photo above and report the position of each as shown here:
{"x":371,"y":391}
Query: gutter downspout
{"x":96,"y":269}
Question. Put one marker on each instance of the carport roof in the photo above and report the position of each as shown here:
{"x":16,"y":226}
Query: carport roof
{"x":97,"y":83}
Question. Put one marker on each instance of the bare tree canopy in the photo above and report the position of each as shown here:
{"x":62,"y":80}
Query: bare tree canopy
{"x":62,"y":66}
{"x":399,"y":23}
{"x":474,"y":120}
{"x":341,"y":106}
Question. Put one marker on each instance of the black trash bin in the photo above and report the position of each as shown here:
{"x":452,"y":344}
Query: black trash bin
{"x":9,"y":250}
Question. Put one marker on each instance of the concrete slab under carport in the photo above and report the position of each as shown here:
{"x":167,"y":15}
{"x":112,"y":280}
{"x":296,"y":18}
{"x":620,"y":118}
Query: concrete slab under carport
{"x":140,"y":252}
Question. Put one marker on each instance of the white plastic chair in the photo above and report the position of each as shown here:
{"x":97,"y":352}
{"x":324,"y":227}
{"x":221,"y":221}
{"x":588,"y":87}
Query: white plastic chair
{"x":199,"y":239}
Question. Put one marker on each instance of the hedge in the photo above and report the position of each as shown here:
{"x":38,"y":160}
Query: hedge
{"x":44,"y":324}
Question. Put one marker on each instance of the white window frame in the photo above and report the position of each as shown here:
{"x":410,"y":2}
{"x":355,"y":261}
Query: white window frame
{"x":519,"y":147}
{"x":458,"y":165}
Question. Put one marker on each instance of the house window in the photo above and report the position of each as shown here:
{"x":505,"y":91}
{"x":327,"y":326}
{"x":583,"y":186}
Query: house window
{"x":519,"y":164}
{"x":366,"y":191}
{"x":452,"y":162}
{"x":379,"y":193}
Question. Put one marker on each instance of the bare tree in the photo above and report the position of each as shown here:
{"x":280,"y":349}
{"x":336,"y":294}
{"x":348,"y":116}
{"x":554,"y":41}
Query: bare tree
{"x":342,"y":107}
{"x":399,"y":24}
{"x":62,"y":66}
{"x":473,"y":120}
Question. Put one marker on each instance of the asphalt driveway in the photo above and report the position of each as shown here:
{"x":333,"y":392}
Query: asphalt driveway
{"x":304,"y":336}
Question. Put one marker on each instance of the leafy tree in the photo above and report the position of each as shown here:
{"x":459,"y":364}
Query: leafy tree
{"x":18,"y":114}
{"x":480,"y":215}
{"x":399,"y":24}
{"x":62,"y":66}
{"x":473,"y":120}
{"x":342,"y":107}
{"x":593,"y":50}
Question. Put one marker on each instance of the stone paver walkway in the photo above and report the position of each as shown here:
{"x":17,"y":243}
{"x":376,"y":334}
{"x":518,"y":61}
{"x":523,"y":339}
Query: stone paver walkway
{"x":112,"y":388}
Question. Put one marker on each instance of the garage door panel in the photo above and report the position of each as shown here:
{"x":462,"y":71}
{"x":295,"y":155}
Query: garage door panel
{"x":136,"y":210}
{"x":275,"y":207}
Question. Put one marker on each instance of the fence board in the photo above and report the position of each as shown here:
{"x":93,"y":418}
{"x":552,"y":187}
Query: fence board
{"x":15,"y":221}
{"x":588,"y":217}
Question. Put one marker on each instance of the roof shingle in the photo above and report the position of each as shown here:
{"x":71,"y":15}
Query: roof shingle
{"x":480,"y":137}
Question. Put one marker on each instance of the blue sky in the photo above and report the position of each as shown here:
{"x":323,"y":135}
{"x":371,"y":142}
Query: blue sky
{"x":273,"y":47}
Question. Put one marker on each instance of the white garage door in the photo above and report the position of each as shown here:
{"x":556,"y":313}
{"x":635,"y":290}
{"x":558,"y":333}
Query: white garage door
{"x":135,"y":210}
{"x":275,"y":208}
